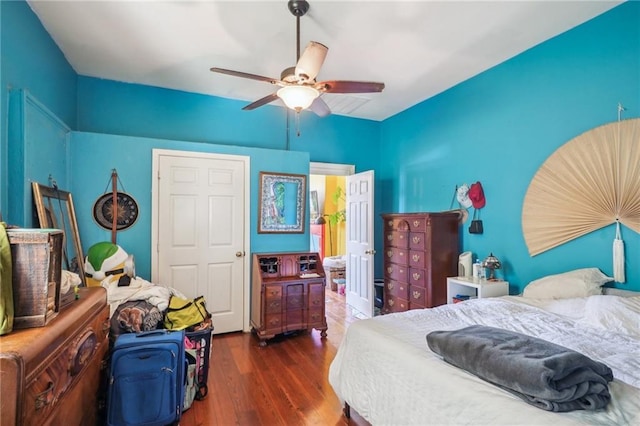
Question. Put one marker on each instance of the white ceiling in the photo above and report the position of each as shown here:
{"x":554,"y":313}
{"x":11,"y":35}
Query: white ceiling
{"x":417,"y":48}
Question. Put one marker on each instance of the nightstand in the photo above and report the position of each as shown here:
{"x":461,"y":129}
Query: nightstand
{"x":475,"y":288}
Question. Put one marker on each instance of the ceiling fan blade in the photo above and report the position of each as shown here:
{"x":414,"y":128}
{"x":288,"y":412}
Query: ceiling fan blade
{"x":262,"y":101}
{"x":343,"y":86}
{"x":311,"y":60}
{"x":320,"y":108}
{"x":246,"y":75}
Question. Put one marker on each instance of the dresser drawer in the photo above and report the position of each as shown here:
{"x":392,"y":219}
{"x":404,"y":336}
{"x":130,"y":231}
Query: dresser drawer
{"x":273,"y":323}
{"x":418,"y":224}
{"x":316,"y":296}
{"x":273,"y":292}
{"x":395,"y":304}
{"x":396,"y":272}
{"x":417,"y":241}
{"x":417,"y":296}
{"x":316,"y":317}
{"x":396,"y":224}
{"x":418,"y":277}
{"x":398,"y":239}
{"x":397,"y":289}
{"x":294,"y":320}
{"x":273,"y":299}
{"x":399,"y":256}
{"x":295,"y":296}
{"x":418,"y":259}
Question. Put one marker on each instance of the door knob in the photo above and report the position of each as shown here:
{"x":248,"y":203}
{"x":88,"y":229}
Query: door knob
{"x":369,"y":252}
{"x":239,"y":253}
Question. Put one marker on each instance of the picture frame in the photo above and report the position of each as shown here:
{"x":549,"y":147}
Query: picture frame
{"x":314,"y":211}
{"x":281,"y":203}
{"x":55,"y":210}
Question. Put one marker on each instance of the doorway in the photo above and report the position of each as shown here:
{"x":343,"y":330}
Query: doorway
{"x":326,"y":183}
{"x":200,"y":231}
{"x":328,"y":221}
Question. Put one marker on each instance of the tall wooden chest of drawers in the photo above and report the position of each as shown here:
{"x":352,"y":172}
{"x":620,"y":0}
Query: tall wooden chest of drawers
{"x":420,"y":252}
{"x":287,"y":294}
{"x":51,"y":375}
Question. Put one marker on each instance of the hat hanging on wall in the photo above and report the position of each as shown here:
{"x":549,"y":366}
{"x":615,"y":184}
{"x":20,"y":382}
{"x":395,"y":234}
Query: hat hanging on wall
{"x":476,"y":195}
{"x":462,"y":195}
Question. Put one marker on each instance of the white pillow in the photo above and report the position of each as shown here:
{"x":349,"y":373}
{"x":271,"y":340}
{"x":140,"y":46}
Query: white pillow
{"x":578,"y":283}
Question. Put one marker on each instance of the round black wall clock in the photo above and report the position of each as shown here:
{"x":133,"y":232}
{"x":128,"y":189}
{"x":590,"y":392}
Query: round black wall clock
{"x":126,"y":213}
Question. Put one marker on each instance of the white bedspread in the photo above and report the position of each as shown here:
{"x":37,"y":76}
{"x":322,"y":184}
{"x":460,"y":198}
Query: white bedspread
{"x":386,"y":372}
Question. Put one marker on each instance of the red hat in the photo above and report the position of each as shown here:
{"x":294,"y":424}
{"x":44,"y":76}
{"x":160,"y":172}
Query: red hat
{"x":476,"y":195}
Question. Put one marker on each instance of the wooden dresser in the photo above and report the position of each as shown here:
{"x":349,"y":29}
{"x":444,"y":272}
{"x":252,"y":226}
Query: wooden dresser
{"x":287,"y":294}
{"x":420,"y":252}
{"x":50,"y":375}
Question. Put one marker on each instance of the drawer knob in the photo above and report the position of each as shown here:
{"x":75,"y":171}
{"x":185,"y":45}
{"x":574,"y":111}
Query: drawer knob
{"x":416,"y":223}
{"x":416,"y":257}
{"x":416,"y":295}
{"x":416,"y":276}
{"x":416,"y":239}
{"x":390,"y":286}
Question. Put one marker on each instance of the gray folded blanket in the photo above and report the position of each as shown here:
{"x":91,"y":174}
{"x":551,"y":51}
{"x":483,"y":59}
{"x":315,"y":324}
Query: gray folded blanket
{"x":544,"y":374}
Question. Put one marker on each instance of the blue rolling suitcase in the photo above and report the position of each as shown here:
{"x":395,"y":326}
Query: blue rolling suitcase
{"x":146,"y":379}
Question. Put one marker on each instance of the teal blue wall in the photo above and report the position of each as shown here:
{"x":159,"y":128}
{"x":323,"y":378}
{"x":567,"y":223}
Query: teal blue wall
{"x":499,"y":127}
{"x":39,"y":153}
{"x":30,"y":61}
{"x":170,"y":119}
{"x":132,"y":158}
{"x":110,"y":107}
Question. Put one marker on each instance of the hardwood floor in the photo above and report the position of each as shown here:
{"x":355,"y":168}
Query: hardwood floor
{"x":284,"y":383}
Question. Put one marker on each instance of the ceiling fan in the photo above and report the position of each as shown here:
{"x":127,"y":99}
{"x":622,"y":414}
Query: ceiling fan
{"x":299,"y":89}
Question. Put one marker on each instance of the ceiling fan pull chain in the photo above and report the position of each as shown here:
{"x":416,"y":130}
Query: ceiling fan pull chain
{"x":297,"y":123}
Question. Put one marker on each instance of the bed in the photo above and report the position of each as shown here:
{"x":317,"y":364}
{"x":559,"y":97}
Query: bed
{"x":384,"y":370}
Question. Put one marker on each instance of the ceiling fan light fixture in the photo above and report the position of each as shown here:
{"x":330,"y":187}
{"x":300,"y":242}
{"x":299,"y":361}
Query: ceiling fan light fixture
{"x":298,"y":97}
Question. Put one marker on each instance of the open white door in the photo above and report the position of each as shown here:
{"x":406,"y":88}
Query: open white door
{"x":360,"y":286}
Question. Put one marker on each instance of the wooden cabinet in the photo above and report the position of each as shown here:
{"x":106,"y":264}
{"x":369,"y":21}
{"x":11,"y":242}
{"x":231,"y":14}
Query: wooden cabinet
{"x":287,"y":294}
{"x":420,"y":252}
{"x":51,"y":375}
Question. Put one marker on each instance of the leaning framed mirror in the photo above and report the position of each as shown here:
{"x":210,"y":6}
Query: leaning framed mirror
{"x":55,"y":210}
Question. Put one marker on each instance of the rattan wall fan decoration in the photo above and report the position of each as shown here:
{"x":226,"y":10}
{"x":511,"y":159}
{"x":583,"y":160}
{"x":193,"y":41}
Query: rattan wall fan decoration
{"x":590,"y":182}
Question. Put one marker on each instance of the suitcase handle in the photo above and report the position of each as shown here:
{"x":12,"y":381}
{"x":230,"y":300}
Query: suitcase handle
{"x":151,"y":333}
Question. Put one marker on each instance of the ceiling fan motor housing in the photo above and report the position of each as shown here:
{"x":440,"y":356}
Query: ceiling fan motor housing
{"x":298,"y":7}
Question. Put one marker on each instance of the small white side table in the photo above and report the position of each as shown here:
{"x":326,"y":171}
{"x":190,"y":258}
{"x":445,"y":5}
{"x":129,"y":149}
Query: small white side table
{"x":475,"y":288}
